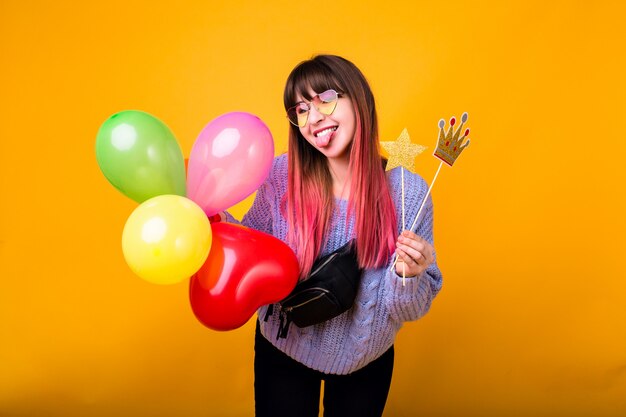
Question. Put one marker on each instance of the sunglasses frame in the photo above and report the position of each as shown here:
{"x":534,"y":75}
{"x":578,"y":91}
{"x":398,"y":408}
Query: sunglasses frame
{"x":312,"y":104}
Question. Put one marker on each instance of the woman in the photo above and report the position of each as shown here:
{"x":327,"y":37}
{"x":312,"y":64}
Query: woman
{"x":330,"y":188}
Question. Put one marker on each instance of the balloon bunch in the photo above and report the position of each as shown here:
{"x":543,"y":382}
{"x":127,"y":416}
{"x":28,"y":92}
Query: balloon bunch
{"x":169,"y":237}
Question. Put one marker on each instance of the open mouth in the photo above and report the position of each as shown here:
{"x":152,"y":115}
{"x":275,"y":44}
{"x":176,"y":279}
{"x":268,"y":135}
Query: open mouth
{"x":323,"y":137}
{"x":325,"y":132}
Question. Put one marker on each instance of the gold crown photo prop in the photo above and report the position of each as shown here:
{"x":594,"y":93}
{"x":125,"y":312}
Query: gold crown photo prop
{"x":449,"y":147}
{"x":448,"y":150}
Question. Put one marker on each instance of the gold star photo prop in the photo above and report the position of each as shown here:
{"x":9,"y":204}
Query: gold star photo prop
{"x":402,"y":153}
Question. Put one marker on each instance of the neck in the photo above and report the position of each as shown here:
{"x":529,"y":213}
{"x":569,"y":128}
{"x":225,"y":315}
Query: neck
{"x":341,"y":176}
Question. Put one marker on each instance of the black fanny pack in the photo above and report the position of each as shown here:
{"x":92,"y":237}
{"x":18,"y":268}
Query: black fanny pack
{"x":328,"y":291}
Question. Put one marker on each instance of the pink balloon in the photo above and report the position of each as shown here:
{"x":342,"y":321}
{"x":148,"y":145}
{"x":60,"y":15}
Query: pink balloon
{"x":230,"y":159}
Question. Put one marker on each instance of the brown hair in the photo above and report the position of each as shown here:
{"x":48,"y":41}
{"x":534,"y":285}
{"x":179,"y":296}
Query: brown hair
{"x":309,"y":194}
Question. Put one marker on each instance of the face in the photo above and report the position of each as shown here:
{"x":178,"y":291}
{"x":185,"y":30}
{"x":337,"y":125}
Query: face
{"x":330,"y":134}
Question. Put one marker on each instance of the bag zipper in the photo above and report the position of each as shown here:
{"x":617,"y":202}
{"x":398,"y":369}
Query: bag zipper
{"x":330,"y":258}
{"x":323,"y":290}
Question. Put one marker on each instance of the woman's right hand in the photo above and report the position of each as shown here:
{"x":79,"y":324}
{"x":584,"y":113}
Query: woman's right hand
{"x":415,"y":254}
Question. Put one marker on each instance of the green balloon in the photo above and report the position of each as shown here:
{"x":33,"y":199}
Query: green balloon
{"x":140,"y":156}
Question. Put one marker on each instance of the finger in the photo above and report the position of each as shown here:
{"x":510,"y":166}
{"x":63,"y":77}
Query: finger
{"x":413,"y":252}
{"x":419,"y":244}
{"x":412,"y":235}
{"x":403,"y":256}
{"x":405,"y":261}
{"x":411,"y":239}
{"x":429,"y":253}
{"x":408,"y":236}
{"x":431,"y":257}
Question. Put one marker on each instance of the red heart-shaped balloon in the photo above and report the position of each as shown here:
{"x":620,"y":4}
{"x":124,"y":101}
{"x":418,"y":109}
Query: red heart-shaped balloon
{"x":245,"y":269}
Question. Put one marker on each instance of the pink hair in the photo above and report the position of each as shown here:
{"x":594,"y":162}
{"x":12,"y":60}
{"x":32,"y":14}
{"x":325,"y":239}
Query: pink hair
{"x":310,"y":199}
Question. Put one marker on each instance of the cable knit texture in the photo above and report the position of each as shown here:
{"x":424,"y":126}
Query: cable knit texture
{"x":363,"y":333}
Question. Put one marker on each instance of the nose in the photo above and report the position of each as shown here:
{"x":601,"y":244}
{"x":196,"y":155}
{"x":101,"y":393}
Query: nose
{"x":314,"y":115}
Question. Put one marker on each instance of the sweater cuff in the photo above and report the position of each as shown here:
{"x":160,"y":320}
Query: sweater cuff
{"x":230,"y":218}
{"x":405,"y":286}
{"x":410,"y":301}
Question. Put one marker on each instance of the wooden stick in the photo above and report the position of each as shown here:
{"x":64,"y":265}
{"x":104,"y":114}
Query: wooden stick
{"x":419,"y":211}
{"x":426,"y":197}
{"x":403,"y":224}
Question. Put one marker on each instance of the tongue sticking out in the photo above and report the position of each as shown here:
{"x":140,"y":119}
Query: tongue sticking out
{"x":322,"y":141}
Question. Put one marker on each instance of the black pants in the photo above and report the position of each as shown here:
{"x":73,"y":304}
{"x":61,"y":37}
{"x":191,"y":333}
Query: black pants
{"x":284,"y":387}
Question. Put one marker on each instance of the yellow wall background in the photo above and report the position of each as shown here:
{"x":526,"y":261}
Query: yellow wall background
{"x":529,"y":223}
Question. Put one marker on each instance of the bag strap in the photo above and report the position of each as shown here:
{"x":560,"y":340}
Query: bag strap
{"x":285,"y":321}
{"x":269,"y":312}
{"x":283,"y":327}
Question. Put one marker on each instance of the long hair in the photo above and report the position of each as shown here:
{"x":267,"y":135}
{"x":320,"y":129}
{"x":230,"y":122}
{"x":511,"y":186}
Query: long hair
{"x":310,"y":199}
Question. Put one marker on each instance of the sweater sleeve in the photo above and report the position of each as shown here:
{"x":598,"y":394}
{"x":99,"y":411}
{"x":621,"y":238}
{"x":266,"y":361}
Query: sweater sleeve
{"x":413,"y":300}
{"x":254,"y":218}
{"x":259,"y":217}
{"x":265,"y":204}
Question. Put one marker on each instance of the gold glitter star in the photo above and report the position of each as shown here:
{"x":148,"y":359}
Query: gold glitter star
{"x":402,"y":152}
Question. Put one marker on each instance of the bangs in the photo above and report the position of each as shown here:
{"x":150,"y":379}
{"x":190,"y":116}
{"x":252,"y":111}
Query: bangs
{"x":309,"y":76}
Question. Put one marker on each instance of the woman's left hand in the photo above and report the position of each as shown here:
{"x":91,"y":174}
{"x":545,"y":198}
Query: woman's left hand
{"x":414,"y":254}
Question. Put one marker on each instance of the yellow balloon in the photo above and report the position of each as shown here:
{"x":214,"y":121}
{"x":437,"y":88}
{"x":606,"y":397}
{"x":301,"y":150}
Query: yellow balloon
{"x":166,"y":239}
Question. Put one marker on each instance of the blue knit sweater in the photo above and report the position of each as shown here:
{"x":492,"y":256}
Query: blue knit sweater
{"x":357,"y":337}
